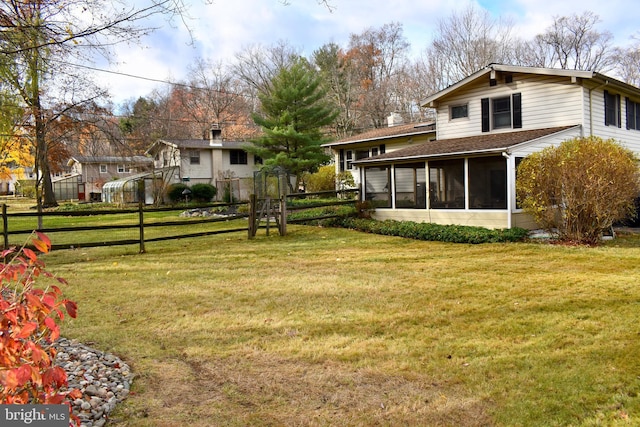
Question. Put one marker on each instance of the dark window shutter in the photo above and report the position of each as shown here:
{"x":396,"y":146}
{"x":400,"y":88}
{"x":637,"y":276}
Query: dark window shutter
{"x":382,"y":148}
{"x":485,"y":114}
{"x":341,"y":160}
{"x":630,"y":112}
{"x":517,"y":110}
{"x":606,"y":108}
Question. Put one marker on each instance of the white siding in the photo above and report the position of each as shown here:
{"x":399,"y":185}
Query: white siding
{"x":556,"y":139}
{"x":547,"y":101}
{"x":630,"y":138}
{"x":198,"y":172}
{"x":241,"y":171}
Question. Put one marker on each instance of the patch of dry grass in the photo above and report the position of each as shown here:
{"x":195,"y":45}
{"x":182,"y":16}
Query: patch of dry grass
{"x":334,"y":327}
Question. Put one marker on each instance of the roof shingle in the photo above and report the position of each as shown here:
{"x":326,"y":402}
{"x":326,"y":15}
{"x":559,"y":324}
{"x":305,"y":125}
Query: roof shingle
{"x":471,"y":144}
{"x":386,"y":132}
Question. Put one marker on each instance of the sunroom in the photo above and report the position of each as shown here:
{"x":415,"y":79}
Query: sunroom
{"x":464,"y":181}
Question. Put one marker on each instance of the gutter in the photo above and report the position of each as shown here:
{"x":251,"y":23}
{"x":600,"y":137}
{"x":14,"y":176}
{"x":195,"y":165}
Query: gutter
{"x":429,"y":156}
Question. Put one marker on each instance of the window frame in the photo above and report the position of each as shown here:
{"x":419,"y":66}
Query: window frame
{"x":102,"y":168}
{"x":238,"y":157}
{"x":633,"y":114}
{"x":612,"y":112}
{"x":380,"y":198}
{"x":455,"y":107}
{"x":194,"y":157}
{"x":418,"y":193}
{"x":488,"y":112}
{"x":501,"y":113}
{"x":123,"y":168}
{"x":447,"y":184}
{"x":487,"y":182}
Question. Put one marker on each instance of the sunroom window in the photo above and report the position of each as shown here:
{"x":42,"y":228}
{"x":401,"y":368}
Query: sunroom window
{"x":377,"y":186}
{"x":446,"y":184}
{"x":411,"y":190}
{"x":488,"y":183}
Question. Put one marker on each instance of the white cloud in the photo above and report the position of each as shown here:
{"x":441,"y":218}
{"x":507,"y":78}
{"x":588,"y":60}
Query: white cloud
{"x":224,"y":28}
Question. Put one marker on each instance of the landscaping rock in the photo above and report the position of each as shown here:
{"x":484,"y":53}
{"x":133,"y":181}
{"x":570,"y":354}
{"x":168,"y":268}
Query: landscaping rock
{"x":103,"y":379}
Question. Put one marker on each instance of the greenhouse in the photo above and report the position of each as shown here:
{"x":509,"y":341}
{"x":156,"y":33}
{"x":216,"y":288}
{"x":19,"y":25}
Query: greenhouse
{"x":125,"y":190}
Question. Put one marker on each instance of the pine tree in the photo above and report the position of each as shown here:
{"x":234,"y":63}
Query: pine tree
{"x":294,"y":112}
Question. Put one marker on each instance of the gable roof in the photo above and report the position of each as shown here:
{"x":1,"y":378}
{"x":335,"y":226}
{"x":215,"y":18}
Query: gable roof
{"x":109,"y":159}
{"x":485,"y":143}
{"x":411,"y":129}
{"x":492,"y":68}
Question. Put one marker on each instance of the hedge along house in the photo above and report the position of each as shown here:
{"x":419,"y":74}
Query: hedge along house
{"x":485,"y":125}
{"x":397,"y":135}
{"x":212,"y":160}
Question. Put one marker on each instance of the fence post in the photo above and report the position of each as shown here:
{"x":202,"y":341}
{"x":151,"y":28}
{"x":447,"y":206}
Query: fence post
{"x":253,"y":201}
{"x":141,"y":213}
{"x":283,"y":215}
{"x":5,"y":231}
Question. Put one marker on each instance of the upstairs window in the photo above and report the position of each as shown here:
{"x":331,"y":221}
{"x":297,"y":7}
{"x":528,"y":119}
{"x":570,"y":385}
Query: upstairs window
{"x":238,"y":157}
{"x":504,"y":112}
{"x":103,"y":168}
{"x":124,"y":169}
{"x":633,"y":114}
{"x":612,"y":109}
{"x":459,"y":112}
{"x":501,"y":112}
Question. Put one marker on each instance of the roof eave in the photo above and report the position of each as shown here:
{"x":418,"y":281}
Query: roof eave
{"x":429,"y":102}
{"x":430,"y":156}
{"x":454,"y":87}
{"x":378,"y":138}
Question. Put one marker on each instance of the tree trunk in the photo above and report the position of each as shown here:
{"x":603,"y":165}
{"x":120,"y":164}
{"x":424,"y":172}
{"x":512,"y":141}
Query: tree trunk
{"x":49,"y":197}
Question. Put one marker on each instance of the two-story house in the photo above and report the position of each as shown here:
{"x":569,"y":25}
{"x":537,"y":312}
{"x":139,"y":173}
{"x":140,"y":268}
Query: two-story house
{"x":212,"y":161}
{"x":88,"y":174}
{"x":396,"y":135}
{"x":485,"y":125}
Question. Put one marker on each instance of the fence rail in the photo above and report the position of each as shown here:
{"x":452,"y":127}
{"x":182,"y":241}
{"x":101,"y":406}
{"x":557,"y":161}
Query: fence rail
{"x":75,"y":229}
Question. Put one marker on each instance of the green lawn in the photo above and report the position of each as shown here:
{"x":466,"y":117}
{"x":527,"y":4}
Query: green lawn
{"x":336,"y":327}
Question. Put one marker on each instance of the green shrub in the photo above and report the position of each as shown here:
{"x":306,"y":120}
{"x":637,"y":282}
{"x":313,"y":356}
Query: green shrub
{"x":579,"y":188}
{"x":203,"y":193}
{"x":322,"y":180}
{"x":431,"y":232}
{"x":174,"y":192}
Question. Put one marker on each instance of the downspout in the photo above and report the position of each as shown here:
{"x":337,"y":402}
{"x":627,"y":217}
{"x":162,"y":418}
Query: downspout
{"x":510,"y":188}
{"x":606,"y":82}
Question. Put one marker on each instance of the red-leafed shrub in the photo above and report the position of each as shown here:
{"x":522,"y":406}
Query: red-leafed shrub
{"x":29,"y":318}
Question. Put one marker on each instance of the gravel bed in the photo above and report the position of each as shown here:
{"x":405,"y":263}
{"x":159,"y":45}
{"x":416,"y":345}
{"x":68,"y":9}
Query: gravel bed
{"x":103,"y":379}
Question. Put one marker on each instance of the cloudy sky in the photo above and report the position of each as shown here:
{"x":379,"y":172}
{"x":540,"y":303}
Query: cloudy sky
{"x":221,"y":28}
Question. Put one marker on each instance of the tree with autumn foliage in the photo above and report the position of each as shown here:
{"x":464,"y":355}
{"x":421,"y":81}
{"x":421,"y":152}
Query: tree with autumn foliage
{"x":294,"y":113}
{"x":29,"y":318}
{"x":39,"y":37}
{"x":15,"y":151}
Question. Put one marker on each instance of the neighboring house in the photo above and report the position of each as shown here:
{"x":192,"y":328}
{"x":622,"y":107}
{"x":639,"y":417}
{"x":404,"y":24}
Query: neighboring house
{"x":372,"y":143}
{"x":486,"y":124}
{"x":15,"y":180}
{"x":210,"y":161}
{"x":88,"y":174}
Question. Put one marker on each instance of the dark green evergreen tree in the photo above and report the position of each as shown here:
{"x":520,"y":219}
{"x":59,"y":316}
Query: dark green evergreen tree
{"x":294,"y":113}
